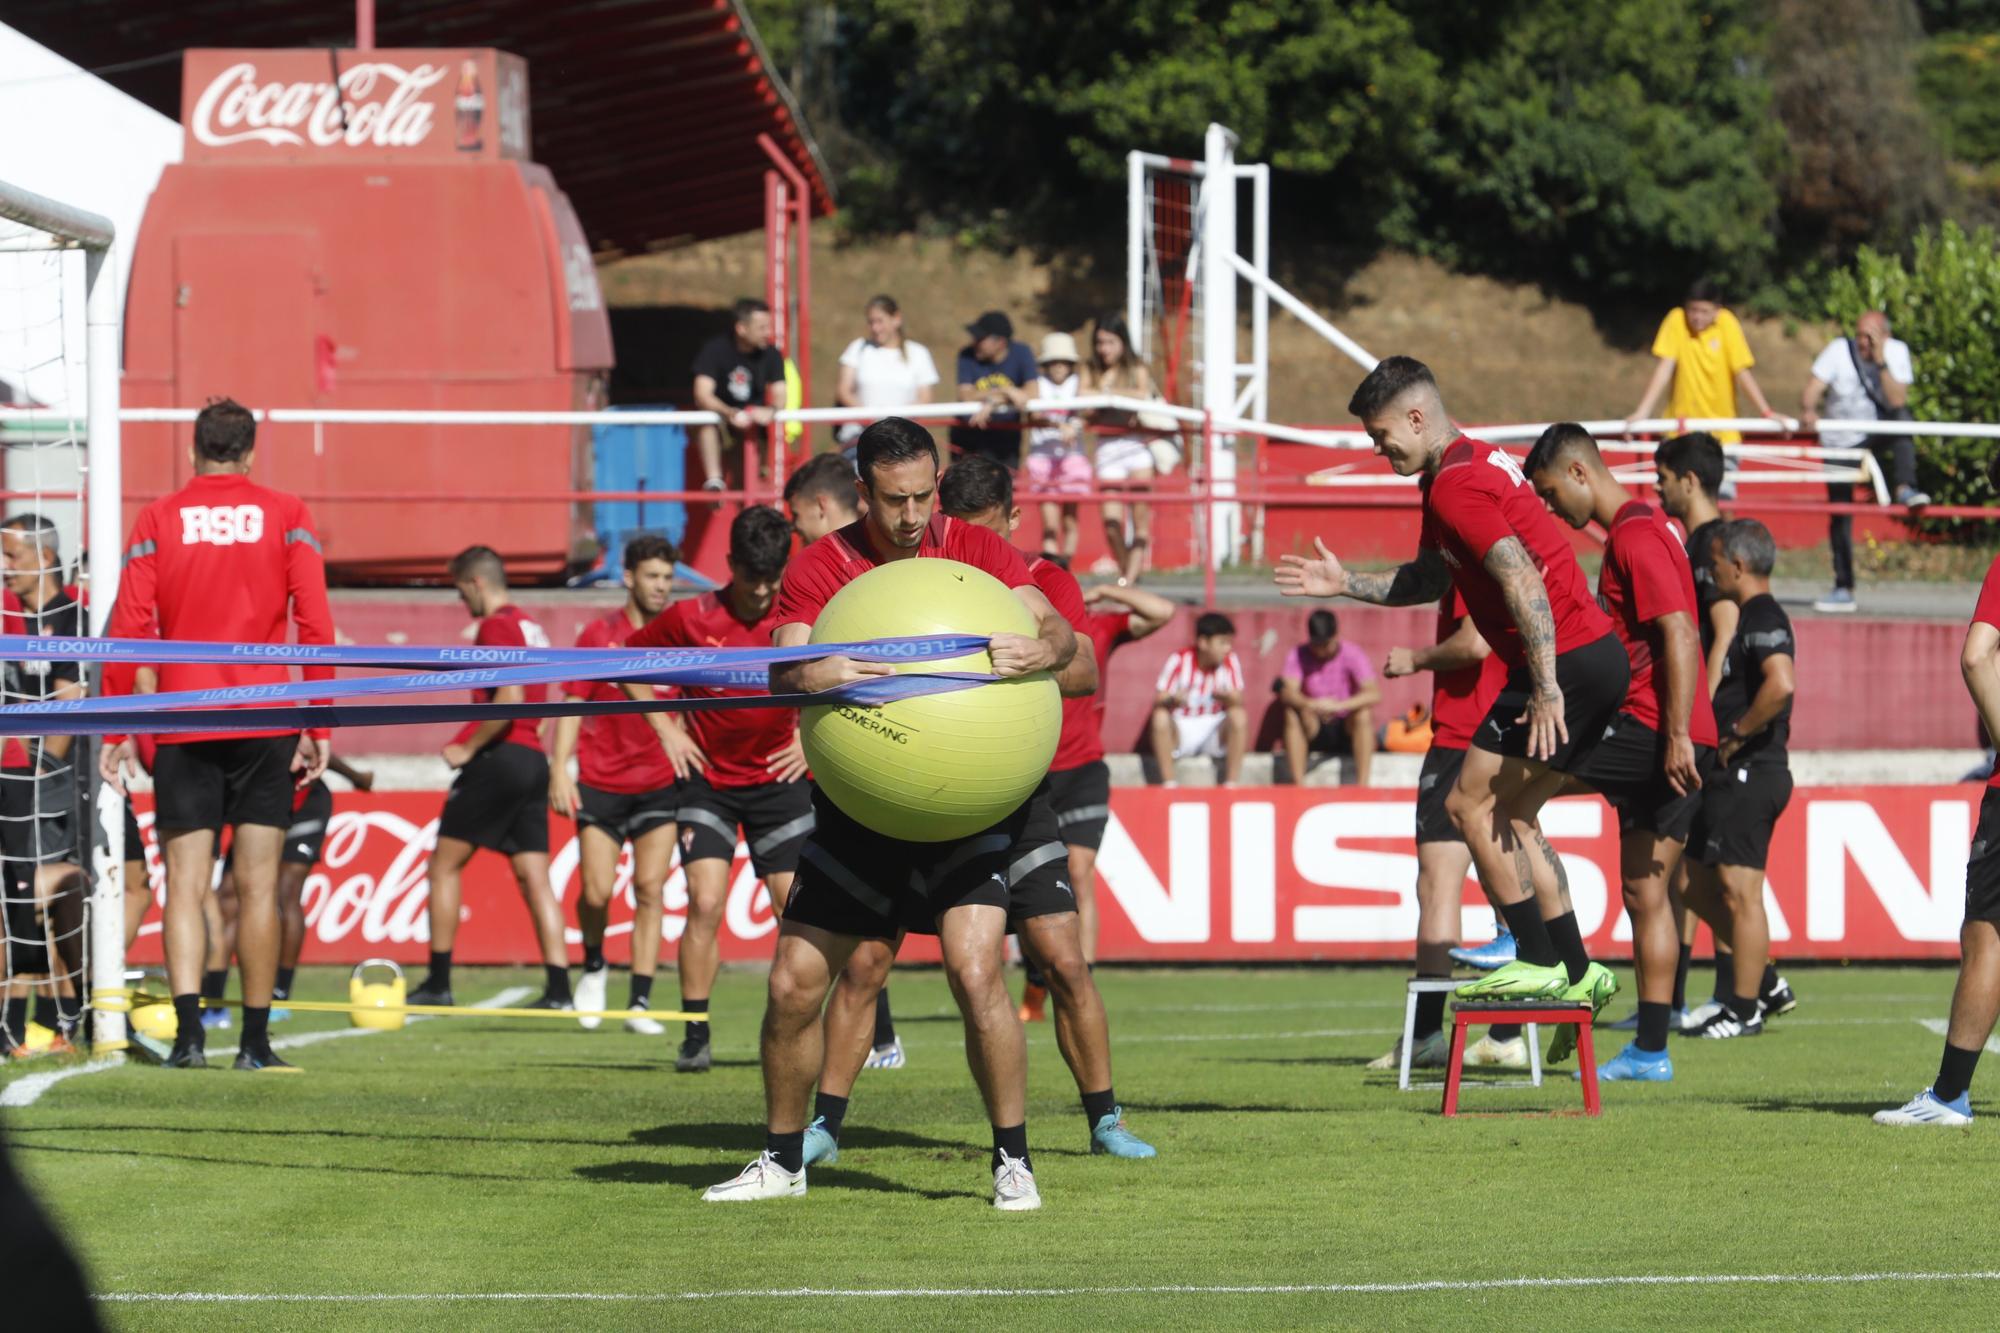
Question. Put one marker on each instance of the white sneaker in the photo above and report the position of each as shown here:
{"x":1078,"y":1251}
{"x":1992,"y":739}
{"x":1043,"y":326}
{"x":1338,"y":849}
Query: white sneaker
{"x":765,"y":1179}
{"x":885,"y":1057}
{"x":1697,"y":1018}
{"x":1926,"y":1109}
{"x":1509,"y":1054}
{"x":590,"y":988}
{"x":1014,"y":1188}
{"x":643,"y":1025}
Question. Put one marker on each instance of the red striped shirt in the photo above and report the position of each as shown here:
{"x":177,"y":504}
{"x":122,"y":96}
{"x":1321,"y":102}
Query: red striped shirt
{"x":1185,"y":675}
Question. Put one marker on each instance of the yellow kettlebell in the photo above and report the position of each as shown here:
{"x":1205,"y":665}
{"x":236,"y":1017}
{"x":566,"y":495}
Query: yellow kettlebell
{"x":381,"y":1001}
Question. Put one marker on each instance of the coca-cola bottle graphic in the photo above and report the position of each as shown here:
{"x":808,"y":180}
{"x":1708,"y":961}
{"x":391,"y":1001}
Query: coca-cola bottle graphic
{"x":471,"y":108}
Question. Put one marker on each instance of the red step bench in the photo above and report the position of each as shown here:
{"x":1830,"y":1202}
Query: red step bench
{"x":1487,"y":1013}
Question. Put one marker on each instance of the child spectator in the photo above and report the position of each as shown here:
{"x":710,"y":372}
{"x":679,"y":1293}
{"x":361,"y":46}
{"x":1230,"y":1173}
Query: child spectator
{"x":1057,"y":459}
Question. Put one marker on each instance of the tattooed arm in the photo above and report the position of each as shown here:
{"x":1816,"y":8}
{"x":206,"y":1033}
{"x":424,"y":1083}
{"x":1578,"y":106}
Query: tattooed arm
{"x":1424,"y":579}
{"x":1510,"y":566}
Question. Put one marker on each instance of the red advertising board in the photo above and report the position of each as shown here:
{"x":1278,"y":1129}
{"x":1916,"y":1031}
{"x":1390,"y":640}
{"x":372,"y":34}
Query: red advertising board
{"x":1278,"y":875}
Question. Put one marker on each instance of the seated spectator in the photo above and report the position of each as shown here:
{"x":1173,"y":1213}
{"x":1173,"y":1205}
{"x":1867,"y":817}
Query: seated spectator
{"x":1198,"y":707}
{"x":1124,"y":451}
{"x":999,"y":374}
{"x":1057,"y":457}
{"x":741,"y":377}
{"x":1329,"y":693}
{"x":883,"y":371}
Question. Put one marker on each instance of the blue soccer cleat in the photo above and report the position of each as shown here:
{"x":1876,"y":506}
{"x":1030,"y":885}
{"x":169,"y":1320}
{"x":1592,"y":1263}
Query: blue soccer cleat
{"x":1111,"y":1136}
{"x":215,"y":1019}
{"x":1632,"y":1065}
{"x":821,"y":1147}
{"x":1496,"y":952}
{"x":1926,"y":1109}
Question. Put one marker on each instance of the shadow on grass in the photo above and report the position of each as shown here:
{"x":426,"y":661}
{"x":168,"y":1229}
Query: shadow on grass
{"x":204,"y":1159}
{"x":1220,"y":1108}
{"x":666,"y":1063}
{"x":20,"y":1133}
{"x":743,"y":1136}
{"x":1331,"y":1061}
{"x":1786,"y":1104}
{"x":699,"y":1176}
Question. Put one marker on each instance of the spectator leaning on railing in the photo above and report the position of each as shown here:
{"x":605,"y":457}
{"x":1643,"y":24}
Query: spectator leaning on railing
{"x":1866,"y":377}
{"x":1705,"y":359}
{"x":1058,"y":456}
{"x":883,"y":371}
{"x":1328,"y":690}
{"x":1124,"y":453}
{"x":999,"y":374}
{"x":740,"y":376}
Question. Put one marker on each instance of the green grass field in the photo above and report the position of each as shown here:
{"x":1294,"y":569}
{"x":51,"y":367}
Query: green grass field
{"x":409,"y":1178}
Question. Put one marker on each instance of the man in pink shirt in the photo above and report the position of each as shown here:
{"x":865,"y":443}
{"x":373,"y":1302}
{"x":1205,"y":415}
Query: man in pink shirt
{"x":1329,"y":695}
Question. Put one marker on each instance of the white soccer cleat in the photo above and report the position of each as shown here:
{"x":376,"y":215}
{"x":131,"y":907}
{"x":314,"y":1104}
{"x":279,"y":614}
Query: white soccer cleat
{"x":1926,"y":1109}
{"x":885,"y":1057}
{"x":1693,"y":1020}
{"x":646,"y":1026}
{"x":1495,"y":1054}
{"x":590,"y":989}
{"x":765,"y":1179}
{"x":1014,"y":1189}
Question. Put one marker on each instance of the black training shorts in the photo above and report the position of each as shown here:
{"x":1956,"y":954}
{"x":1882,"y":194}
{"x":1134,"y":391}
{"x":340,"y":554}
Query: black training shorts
{"x":500,"y":801}
{"x":1038,"y":874}
{"x":1982,"y":868}
{"x":1082,"y":800}
{"x":1628,"y":768}
{"x":213,"y":784}
{"x":1739,"y":812}
{"x":38,"y":815}
{"x":626,"y":816}
{"x":307,"y":834}
{"x":1434,"y":783}
{"x":854,"y":881}
{"x":1592,"y":678}
{"x":775,"y":817}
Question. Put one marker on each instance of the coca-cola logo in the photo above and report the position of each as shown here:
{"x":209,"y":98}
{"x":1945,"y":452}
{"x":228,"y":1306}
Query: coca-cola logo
{"x":375,"y":105}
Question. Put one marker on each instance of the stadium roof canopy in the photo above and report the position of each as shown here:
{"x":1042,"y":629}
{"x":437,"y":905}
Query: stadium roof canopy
{"x":647,"y":111}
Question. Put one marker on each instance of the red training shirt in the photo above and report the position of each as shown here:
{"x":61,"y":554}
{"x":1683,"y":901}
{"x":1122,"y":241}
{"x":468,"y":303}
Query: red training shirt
{"x":510,"y":627}
{"x":1461,"y":699}
{"x":738,"y":742}
{"x":1107,"y":630}
{"x":226,"y":560}
{"x":1079,"y":742}
{"x":617,"y":752}
{"x":1987,"y":612}
{"x":1477,"y":499}
{"x":1646,"y":575}
{"x":839,"y":558}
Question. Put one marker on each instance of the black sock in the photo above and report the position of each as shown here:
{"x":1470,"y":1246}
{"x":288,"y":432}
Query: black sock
{"x":885,"y":1026}
{"x":45,"y":1011}
{"x":831,"y":1109}
{"x":256,"y":1028}
{"x":1725,"y":975}
{"x":440,"y":977}
{"x":558,"y":980}
{"x":17,"y":1017}
{"x":1652,"y":1026}
{"x":69,"y":1011}
{"x":283,"y":990}
{"x":1531,"y":937}
{"x":697,"y":1029}
{"x":593,"y":957}
{"x":213,"y":984}
{"x":1954,"y":1072}
{"x":788,"y":1150}
{"x":1770,"y":981}
{"x":1096,"y":1105}
{"x":1563,"y":933}
{"x":1744,"y":1007}
{"x":1430,"y":1012}
{"x":1504,"y":1031}
{"x":642,"y":991}
{"x":1035,"y":977}
{"x":187,"y":1009}
{"x":1681,"y":976}
{"x":1012,"y":1141}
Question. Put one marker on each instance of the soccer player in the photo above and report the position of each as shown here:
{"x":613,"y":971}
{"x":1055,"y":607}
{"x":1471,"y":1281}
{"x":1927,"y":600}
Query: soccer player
{"x":854,"y":884}
{"x":1975,"y":1000}
{"x":1740,"y":808}
{"x":626,"y":790}
{"x":1485,"y":532}
{"x":1659,"y":750}
{"x":745,"y":768}
{"x":1198,"y":703}
{"x":223,"y":531}
{"x":499,"y":800}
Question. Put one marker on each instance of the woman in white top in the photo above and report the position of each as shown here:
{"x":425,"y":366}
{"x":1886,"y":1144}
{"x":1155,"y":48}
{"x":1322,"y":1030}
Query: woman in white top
{"x":885,"y":370}
{"x":1124,"y":452}
{"x":1055,"y":453}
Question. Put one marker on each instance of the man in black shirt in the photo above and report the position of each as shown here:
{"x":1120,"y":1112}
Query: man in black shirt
{"x":741,"y":377}
{"x":1753,"y":780}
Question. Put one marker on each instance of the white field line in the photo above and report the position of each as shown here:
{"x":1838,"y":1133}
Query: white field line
{"x":1011,"y":1293}
{"x":1942,"y":1027}
{"x":27,"y":1091}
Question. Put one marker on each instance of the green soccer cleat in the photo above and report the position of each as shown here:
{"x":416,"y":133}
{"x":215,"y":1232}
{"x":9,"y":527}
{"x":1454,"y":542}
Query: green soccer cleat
{"x":1595,"y":989}
{"x":1517,"y":981}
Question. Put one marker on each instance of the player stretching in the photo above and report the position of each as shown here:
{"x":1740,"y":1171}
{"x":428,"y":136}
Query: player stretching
{"x":856,"y":885}
{"x":1660,"y":748}
{"x":223,"y":531}
{"x":499,"y":800}
{"x":823,"y":498}
{"x":1485,"y":532}
{"x":1975,"y":1000}
{"x":625,"y":791}
{"x":745,"y":767}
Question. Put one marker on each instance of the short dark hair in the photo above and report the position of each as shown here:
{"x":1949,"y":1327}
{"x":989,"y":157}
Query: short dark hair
{"x":892,"y":440}
{"x":830,"y":475}
{"x":1557,"y":443}
{"x":479,"y":562}
{"x":760,"y":541}
{"x":1703,"y":289}
{"x":1322,"y":626}
{"x":649,"y":546}
{"x":1749,"y":543}
{"x":1391,"y":379}
{"x":224,"y":431}
{"x":975,"y":484}
{"x":40,"y":529}
{"x":745,"y":307}
{"x":1211,"y":623}
{"x":1697,"y":454}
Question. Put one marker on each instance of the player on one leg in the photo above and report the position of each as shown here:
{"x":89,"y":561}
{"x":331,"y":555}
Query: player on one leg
{"x":1485,"y":532}
{"x":855,"y":884}
{"x":499,"y":800}
{"x":750,"y":770}
{"x":625,"y":790}
{"x":1660,"y":748}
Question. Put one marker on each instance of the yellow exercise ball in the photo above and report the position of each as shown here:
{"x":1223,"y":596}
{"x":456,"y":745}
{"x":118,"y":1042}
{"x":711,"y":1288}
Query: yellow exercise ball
{"x":940,"y":766}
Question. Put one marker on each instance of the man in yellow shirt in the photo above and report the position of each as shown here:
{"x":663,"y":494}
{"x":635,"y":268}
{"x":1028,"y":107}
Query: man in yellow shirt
{"x":1703,"y":355}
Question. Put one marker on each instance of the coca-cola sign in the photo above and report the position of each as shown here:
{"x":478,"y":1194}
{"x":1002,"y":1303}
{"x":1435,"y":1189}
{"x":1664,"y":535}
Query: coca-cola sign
{"x":389,"y":105}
